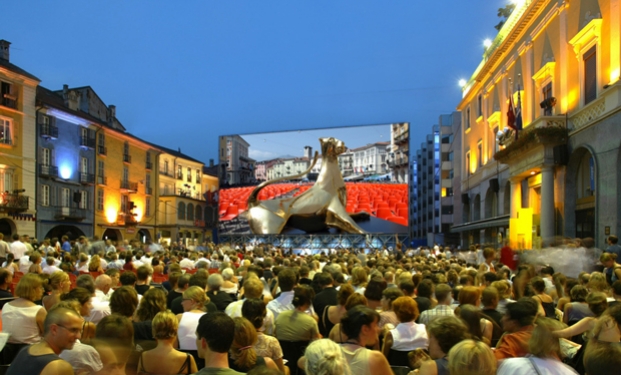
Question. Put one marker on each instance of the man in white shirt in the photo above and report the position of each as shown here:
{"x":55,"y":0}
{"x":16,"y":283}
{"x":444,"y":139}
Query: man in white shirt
{"x":253,"y":288}
{"x":100,"y":308}
{"x":187,"y":263}
{"x":24,"y":263}
{"x":202,"y":258}
{"x":287,"y":280}
{"x":103,"y":284}
{"x":50,"y":266}
{"x":17,"y":248}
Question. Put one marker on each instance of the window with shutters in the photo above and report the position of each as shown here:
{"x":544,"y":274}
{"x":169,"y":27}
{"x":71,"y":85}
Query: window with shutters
{"x":65,"y":197}
{"x":590,"y":75}
{"x":83,"y":200}
{"x":147,"y":207}
{"x":189,"y":175}
{"x":45,"y":195}
{"x":100,"y":199}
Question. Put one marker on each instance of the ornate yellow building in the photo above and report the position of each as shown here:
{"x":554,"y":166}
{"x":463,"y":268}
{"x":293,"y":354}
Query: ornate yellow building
{"x":561,"y":177}
{"x":17,"y":147}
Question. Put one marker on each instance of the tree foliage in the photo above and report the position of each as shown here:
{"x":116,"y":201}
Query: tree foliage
{"x":504,"y":13}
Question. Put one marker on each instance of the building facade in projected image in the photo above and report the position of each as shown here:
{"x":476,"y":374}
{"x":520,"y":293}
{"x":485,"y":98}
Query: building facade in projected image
{"x":374,"y":165}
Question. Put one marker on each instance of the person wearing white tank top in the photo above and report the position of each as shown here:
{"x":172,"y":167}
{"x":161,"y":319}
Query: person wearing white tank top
{"x":193,"y":301}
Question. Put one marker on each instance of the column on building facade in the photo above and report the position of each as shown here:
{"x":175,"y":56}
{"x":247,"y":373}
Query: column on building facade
{"x":547,"y":204}
{"x":615,"y":40}
{"x":562,"y":60}
{"x":516,"y":196}
{"x":529,"y":93}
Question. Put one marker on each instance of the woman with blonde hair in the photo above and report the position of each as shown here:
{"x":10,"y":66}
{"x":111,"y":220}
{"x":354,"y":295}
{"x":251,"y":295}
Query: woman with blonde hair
{"x":504,"y":293}
{"x":22,"y":319}
{"x":242,"y":355}
{"x":194,"y":301}
{"x":471,"y":357}
{"x":164,"y":359}
{"x":95,"y":264}
{"x":324,"y":357}
{"x":59,"y":284}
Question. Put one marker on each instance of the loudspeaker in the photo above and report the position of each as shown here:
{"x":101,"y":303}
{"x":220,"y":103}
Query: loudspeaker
{"x":77,"y":197}
{"x":465,"y":199}
{"x":493,"y":184}
{"x":561,"y":155}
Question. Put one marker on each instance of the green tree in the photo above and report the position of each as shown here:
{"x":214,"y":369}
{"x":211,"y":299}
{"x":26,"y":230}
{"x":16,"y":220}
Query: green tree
{"x":504,"y":13}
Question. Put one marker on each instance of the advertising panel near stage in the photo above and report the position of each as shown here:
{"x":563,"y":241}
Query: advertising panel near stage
{"x":305,"y":194}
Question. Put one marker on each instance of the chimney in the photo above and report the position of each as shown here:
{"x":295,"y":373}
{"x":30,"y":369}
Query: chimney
{"x":65,"y":93}
{"x":4,"y":49}
{"x":112,"y":111}
{"x":308,"y":152}
{"x":211,"y":162}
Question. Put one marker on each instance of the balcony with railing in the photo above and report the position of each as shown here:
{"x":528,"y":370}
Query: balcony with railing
{"x":127,"y":158}
{"x":48,"y":131}
{"x":87,"y":178}
{"x":128,"y":186}
{"x":9,"y":100}
{"x":102,"y":180}
{"x":13,"y":203}
{"x":148,"y":190}
{"x":4,"y":140}
{"x":87,"y":142}
{"x":70,"y":213}
{"x":46,"y":170}
{"x":166,"y":172}
{"x":149,"y":165}
{"x":102,"y":150}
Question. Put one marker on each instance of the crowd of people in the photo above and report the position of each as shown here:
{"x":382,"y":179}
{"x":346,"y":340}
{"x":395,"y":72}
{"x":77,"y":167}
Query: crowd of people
{"x":81,"y":307}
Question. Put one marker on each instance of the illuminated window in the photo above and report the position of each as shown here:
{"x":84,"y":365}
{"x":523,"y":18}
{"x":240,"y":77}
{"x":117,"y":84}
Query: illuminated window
{"x":45,"y":195}
{"x":5,"y":131}
{"x":100,"y":199}
{"x":125,"y":203}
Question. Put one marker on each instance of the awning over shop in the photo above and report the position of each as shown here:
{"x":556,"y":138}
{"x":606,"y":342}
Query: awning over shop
{"x":499,"y":221}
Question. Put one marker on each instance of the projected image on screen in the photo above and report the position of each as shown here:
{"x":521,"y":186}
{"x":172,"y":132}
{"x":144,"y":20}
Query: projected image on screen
{"x":272,"y":183}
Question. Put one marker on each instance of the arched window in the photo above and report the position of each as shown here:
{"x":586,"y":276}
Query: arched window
{"x":507,"y":199}
{"x":190,"y":211}
{"x":181,"y":211}
{"x":491,"y":204}
{"x":199,"y":213}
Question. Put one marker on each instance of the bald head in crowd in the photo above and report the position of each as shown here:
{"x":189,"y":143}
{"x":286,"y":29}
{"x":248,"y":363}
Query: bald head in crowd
{"x":103,"y":283}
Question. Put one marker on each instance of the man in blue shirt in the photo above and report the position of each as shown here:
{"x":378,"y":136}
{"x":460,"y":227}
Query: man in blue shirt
{"x":66,"y":246}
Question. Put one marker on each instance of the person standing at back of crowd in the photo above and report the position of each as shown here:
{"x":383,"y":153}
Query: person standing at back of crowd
{"x":614,"y":247}
{"x":17,"y":248}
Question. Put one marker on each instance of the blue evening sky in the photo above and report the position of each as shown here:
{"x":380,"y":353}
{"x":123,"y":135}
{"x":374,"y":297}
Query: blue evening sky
{"x":183,"y":72}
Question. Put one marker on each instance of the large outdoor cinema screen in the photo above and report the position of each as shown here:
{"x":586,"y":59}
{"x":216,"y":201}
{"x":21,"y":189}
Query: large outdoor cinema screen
{"x":272,"y":183}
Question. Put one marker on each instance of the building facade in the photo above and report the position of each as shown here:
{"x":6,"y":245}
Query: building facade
{"x":371,"y":159}
{"x":65,"y":166}
{"x":560,"y":62}
{"x":399,"y":161}
{"x":18,"y":153}
{"x":237,"y":166}
{"x":182,"y":200}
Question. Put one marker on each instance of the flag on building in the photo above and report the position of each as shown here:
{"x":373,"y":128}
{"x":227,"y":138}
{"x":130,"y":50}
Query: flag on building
{"x":511,"y":114}
{"x":518,"y":112}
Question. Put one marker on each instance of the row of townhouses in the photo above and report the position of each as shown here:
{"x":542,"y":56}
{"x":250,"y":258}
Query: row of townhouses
{"x":69,"y":167}
{"x":557,"y":64}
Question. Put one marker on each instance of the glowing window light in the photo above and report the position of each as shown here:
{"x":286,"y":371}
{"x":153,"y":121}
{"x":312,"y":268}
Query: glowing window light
{"x":111,"y":215}
{"x":65,"y":172}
